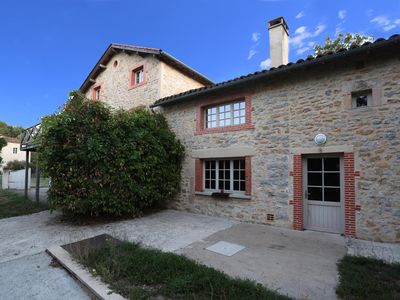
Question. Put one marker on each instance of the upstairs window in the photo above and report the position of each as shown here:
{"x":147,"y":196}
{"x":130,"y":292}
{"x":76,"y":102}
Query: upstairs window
{"x":225,"y":174}
{"x":361,"y":99}
{"x":228,"y":114}
{"x":96,"y":93}
{"x":137,"y":76}
{"x":15,"y":150}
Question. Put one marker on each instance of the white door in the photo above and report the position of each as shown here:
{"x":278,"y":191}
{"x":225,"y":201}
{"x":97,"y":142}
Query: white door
{"x":323,"y":193}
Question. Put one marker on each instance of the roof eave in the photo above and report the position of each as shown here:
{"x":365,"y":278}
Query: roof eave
{"x":280,"y":70}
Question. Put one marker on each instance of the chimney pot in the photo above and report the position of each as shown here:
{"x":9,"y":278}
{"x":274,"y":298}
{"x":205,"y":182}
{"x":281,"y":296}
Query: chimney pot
{"x":278,"y":42}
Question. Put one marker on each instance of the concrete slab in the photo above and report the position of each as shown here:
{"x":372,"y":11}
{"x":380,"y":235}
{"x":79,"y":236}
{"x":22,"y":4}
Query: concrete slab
{"x":168,"y":230}
{"x":32,"y":277}
{"x":389,"y":252}
{"x":94,"y":284}
{"x":300,"y":264}
{"x":225,"y":248}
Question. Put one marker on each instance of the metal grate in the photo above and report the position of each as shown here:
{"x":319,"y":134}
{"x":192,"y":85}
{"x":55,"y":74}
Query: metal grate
{"x":270,"y":217}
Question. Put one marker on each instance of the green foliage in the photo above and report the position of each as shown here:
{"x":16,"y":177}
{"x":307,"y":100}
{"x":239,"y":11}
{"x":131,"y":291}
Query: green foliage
{"x":15,"y":165}
{"x":142,"y":273}
{"x":104,"y":162}
{"x":9,"y":130}
{"x":342,"y":41}
{"x":3,"y":143}
{"x":368,"y":278}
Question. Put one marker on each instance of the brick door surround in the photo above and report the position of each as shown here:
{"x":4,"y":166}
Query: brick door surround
{"x":349,"y":193}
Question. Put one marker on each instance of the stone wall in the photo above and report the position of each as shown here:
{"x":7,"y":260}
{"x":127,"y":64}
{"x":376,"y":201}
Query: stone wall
{"x":161,"y":80}
{"x":287,"y":113}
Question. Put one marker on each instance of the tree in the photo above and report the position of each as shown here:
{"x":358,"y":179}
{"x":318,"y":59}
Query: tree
{"x":9,"y":130}
{"x":108,"y":162}
{"x":342,"y":41}
{"x":3,"y":143}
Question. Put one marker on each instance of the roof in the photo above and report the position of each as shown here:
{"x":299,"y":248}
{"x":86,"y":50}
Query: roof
{"x":290,"y":68}
{"x":10,"y":139}
{"x":158,"y":53}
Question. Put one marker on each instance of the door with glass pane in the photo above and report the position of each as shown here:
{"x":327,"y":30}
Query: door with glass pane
{"x":323,"y":193}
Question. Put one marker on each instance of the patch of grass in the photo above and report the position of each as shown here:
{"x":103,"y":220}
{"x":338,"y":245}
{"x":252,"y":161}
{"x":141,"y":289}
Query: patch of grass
{"x":141,"y":273}
{"x":368,"y":278}
{"x":12,"y":205}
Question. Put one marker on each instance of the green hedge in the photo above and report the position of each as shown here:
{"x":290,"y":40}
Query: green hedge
{"x":105,"y":162}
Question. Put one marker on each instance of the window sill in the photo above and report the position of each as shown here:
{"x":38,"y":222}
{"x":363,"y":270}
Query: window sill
{"x":224,"y":129}
{"x":131,"y":87}
{"x":233,"y":195}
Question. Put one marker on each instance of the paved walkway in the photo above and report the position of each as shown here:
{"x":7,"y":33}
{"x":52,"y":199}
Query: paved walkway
{"x":32,"y":277}
{"x":301,"y":264}
{"x":168,"y":230}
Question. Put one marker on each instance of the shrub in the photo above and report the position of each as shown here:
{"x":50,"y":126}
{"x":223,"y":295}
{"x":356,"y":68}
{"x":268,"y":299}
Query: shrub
{"x":15,"y":165}
{"x":106,"y":162}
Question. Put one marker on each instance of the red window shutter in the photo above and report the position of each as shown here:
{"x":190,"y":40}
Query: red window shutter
{"x":198,"y":170}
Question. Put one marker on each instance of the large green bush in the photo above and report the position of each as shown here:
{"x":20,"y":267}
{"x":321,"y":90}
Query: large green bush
{"x":105,"y":162}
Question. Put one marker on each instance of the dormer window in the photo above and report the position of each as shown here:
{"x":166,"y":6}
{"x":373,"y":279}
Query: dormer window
{"x":137,"y":76}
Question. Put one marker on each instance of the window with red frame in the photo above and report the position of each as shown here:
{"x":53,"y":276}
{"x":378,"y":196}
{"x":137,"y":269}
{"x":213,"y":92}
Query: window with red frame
{"x":228,"y":175}
{"x":137,"y":76}
{"x":227,"y":114}
{"x":96,"y":92}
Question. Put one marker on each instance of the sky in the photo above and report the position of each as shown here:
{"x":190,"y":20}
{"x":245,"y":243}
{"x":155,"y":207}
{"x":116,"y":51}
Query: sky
{"x":47,"y":48}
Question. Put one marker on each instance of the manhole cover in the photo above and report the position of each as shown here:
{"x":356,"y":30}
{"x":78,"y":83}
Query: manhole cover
{"x":225,"y":248}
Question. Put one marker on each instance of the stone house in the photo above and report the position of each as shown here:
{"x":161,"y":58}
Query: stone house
{"x":11,"y":151}
{"x":306,"y":145}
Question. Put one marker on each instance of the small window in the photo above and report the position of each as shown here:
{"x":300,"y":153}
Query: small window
{"x":137,"y":76}
{"x":227,"y":114}
{"x":97,"y":93}
{"x":361,"y":99}
{"x":15,"y":150}
{"x":225,"y":174}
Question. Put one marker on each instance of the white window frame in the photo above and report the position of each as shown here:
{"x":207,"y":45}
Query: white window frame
{"x":139,"y":75}
{"x":15,"y":150}
{"x":231,"y":177}
{"x":221,"y":110}
{"x":97,"y":92}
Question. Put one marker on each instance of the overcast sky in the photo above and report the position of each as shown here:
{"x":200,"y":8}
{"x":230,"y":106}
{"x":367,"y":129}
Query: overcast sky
{"x":48,"y":47}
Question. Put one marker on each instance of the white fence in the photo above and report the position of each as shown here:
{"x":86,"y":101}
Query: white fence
{"x":15,"y":179}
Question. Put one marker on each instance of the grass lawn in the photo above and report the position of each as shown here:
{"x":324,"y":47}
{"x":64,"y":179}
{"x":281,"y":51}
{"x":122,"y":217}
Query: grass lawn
{"x":368,"y":278}
{"x":140,"y":273}
{"x":12,"y":205}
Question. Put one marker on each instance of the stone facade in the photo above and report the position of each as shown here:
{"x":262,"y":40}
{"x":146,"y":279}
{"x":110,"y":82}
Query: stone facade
{"x":286,"y":114}
{"x":161,"y":80}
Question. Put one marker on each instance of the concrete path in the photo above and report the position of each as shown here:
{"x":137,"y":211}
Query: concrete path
{"x":168,"y":230}
{"x":300,"y":264}
{"x":32,"y":277}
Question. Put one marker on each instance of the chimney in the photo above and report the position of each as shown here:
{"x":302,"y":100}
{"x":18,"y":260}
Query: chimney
{"x":278,"y":42}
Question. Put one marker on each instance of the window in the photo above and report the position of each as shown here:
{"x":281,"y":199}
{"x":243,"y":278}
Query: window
{"x":226,"y":115}
{"x":96,"y":92}
{"x":137,"y":76}
{"x":225,"y":174}
{"x":361,"y":99}
{"x":15,"y":150}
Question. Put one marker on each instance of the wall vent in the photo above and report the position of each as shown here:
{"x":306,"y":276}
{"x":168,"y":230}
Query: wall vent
{"x":270,"y":217}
